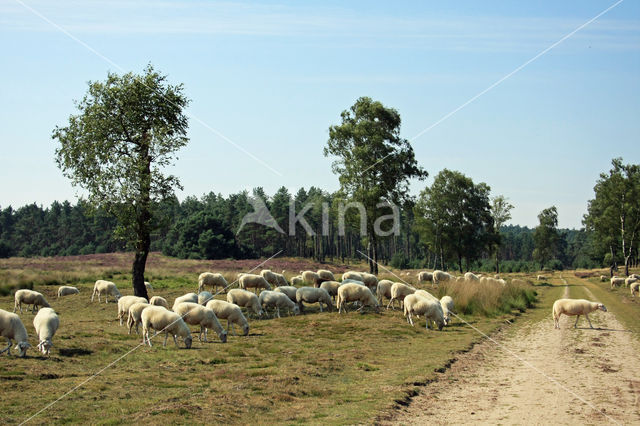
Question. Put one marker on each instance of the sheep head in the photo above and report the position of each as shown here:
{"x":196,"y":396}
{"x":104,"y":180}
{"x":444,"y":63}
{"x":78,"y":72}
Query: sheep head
{"x":22,"y":348}
{"x":45,"y":346}
{"x":602,"y":307}
{"x":187,"y":342}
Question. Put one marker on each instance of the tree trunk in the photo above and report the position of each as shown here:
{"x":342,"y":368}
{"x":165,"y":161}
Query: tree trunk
{"x":139,"y":265}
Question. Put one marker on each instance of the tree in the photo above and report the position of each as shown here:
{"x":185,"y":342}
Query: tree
{"x":501,"y":213}
{"x":614,"y":214}
{"x":454,"y":217}
{"x":545,"y":236}
{"x":373,"y":162}
{"x":128,"y":128}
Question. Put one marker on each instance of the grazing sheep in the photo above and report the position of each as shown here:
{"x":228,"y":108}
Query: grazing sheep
{"x":204,"y":297}
{"x":577,"y":307}
{"x":313,"y":295}
{"x":276,"y":299}
{"x":331,"y":287}
{"x":297,"y":280}
{"x":398,"y":292}
{"x":470,"y":276}
{"x":440,"y":276}
{"x":189,"y":297}
{"x":256,"y":282}
{"x":310,"y":277}
{"x":148,"y":286}
{"x":12,"y":328}
{"x":66,"y":290}
{"x":425,"y":276}
{"x":325,"y":275}
{"x":603,"y":278}
{"x":230,"y":312}
{"x":270,"y":277}
{"x":135,"y":314}
{"x":370,"y":280}
{"x":290,"y":291}
{"x":196,"y":314}
{"x":46,"y":323}
{"x":107,"y":288}
{"x":123,"y":305}
{"x":352,"y":281}
{"x":426,"y":294}
{"x":630,"y":280}
{"x":282,"y":280}
{"x":384,"y":290}
{"x":447,"y":308}
{"x":634,"y":288}
{"x":244,"y":299}
{"x":159,"y":301}
{"x":164,"y":321}
{"x":352,"y":275}
{"x":352,"y":292}
{"x":29,"y":297}
{"x":418,"y":305}
{"x":541,"y":278}
{"x":635,"y":276}
{"x":211,"y":279}
{"x":616,"y":281}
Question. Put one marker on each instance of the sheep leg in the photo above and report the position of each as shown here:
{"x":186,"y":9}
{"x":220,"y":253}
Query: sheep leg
{"x":278,"y":311}
{"x":230,"y":328}
{"x":320,"y":306}
{"x":7,"y":349}
{"x":576,"y":324}
{"x":389,"y":304}
{"x":587,"y":316}
{"x":175,"y":340}
{"x":166,"y":335}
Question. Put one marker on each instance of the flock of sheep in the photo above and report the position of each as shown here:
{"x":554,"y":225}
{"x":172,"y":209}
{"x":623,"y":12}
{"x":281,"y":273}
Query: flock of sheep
{"x":632,"y":281}
{"x":273,"y":292}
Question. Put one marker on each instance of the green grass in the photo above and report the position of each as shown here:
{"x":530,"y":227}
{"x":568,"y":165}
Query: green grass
{"x":315,"y":368}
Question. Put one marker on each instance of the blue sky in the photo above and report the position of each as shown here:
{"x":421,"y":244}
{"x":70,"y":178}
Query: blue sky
{"x":272,"y":77}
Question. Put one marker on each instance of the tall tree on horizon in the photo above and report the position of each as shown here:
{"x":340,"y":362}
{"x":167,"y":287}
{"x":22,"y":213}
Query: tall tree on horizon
{"x":128,"y":128}
{"x":546,"y":236}
{"x":501,"y":212}
{"x":373,"y":163}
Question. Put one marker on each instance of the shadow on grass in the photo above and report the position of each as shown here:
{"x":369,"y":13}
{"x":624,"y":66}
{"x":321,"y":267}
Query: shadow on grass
{"x":602,"y":329}
{"x":72,"y":352}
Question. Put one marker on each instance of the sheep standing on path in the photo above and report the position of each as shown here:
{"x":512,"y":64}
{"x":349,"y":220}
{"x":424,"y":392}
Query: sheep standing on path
{"x":107,"y":288}
{"x":163,"y":321}
{"x":66,"y":290}
{"x":12,"y":328}
{"x":571,"y":307}
{"x":29,"y":297}
{"x":46,"y":323}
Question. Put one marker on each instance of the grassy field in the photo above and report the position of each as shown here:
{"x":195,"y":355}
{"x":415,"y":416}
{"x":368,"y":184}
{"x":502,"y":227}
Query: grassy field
{"x":315,"y":368}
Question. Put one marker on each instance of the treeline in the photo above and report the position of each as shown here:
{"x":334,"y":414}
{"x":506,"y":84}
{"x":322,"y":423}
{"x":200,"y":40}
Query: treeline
{"x":207,"y":228}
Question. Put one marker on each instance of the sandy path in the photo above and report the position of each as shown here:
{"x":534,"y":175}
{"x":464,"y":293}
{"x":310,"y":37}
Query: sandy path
{"x":600,"y":370}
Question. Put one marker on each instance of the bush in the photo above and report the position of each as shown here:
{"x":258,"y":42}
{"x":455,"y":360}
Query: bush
{"x":399,"y":261}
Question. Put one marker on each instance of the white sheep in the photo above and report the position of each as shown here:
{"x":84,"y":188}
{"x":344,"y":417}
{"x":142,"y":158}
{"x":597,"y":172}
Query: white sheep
{"x":196,"y":314}
{"x":214,"y":280}
{"x":577,"y":307}
{"x":398,"y":292}
{"x":123,"y":306}
{"x":417,"y":305}
{"x":245,"y":299}
{"x":12,"y":328}
{"x":616,"y":281}
{"x":230,"y":312}
{"x":158,"y":301}
{"x":276,"y":299}
{"x":634,"y":288}
{"x":352,"y":275}
{"x":29,"y":297}
{"x":352,"y":292}
{"x":310,"y":277}
{"x":297,"y":280}
{"x":440,"y":276}
{"x":164,"y":321}
{"x":470,"y":276}
{"x":148,"y":286}
{"x":66,"y":290}
{"x":270,"y":277}
{"x":135,"y":314}
{"x":325,"y":275}
{"x":256,"y":282}
{"x":541,"y":278}
{"x":46,"y":323}
{"x":447,"y":308}
{"x":331,"y":287}
{"x":204,"y":297}
{"x":313,"y":295}
{"x":352,"y":281}
{"x":630,"y":280}
{"x":425,"y":276}
{"x":107,"y":288}
{"x":603,"y":278}
{"x":282,"y":280}
{"x":370,"y":280}
{"x":189,"y":297}
{"x":384,"y":290}
{"x":290,"y":291}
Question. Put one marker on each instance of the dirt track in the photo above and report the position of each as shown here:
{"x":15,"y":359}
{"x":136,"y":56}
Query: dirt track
{"x":539,"y":376}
